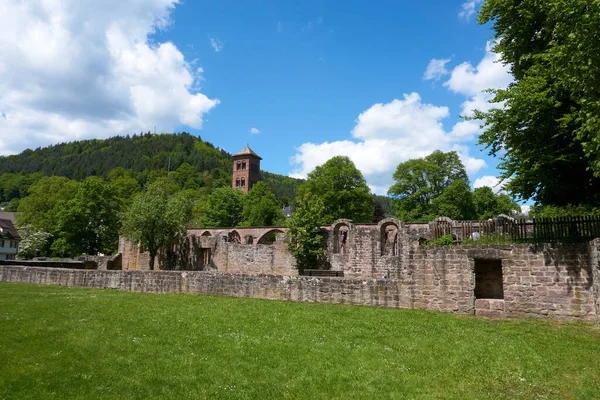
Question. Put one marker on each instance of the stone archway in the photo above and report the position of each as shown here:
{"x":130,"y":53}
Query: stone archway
{"x":389,"y":232}
{"x":270,"y":236}
{"x":234,"y":237}
{"x":341,"y":236}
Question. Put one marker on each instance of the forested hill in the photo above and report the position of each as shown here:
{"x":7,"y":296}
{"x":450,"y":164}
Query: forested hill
{"x":139,"y":153}
{"x":146,"y":156}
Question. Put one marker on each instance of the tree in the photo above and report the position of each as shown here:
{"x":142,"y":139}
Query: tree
{"x":419,"y":181}
{"x":124,"y":183}
{"x":490,"y":205}
{"x":40,"y":208}
{"x":33,"y":242}
{"x":546,"y":125}
{"x":455,"y":201}
{"x":383,"y":207}
{"x":223,"y":208}
{"x":305,"y":237}
{"x":342,"y":189}
{"x":261,"y":208}
{"x":156,"y":220}
{"x":88,"y":223}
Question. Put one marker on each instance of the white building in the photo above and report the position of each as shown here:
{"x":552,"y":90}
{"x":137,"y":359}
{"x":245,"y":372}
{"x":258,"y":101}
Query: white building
{"x":9,"y":240}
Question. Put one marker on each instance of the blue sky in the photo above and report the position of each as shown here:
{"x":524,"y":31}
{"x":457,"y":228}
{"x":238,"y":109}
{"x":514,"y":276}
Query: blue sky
{"x":380,"y":81}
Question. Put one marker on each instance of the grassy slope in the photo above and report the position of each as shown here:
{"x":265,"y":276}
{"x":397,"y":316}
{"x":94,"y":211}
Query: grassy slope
{"x":80,"y":343}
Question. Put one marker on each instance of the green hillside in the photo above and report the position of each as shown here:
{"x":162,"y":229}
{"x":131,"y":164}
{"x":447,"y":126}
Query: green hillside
{"x":145,"y":157}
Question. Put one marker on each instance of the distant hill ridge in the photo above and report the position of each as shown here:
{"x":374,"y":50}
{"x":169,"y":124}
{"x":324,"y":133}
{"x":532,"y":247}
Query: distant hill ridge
{"x":143,"y":154}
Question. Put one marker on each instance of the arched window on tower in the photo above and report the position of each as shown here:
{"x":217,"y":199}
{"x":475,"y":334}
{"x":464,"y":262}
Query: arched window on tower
{"x":237,"y":182}
{"x":239,"y":165}
{"x":243,"y":165}
{"x":243,"y":182}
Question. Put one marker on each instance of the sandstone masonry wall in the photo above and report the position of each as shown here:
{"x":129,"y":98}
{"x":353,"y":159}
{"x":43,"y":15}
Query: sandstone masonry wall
{"x":594,"y":251}
{"x":368,"y":292}
{"x":541,"y":282}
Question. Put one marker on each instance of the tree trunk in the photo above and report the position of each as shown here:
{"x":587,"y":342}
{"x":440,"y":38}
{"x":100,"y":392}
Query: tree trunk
{"x":152,"y":257}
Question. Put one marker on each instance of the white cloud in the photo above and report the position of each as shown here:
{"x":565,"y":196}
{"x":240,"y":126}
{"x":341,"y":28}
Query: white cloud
{"x":489,"y":181}
{"x":489,"y":73}
{"x":387,"y":134}
{"x":216,"y":44}
{"x":254,"y":131}
{"x":471,"y":81}
{"x":436,"y":69}
{"x":76,"y":70}
{"x":468,"y":9}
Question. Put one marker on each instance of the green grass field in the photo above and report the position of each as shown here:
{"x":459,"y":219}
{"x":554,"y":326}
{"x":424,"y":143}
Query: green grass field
{"x":64,"y":343}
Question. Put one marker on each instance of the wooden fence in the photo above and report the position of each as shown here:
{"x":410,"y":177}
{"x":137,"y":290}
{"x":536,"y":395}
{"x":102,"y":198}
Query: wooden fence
{"x":520,"y":230}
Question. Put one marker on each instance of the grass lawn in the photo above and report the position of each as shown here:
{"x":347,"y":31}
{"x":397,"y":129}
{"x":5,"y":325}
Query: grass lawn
{"x":63,"y":343}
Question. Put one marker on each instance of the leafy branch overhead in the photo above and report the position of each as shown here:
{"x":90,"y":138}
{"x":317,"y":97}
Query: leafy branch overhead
{"x":546,"y":124}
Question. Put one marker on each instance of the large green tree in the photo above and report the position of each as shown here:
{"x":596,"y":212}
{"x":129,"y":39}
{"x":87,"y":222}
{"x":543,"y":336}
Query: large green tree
{"x":342,"y":189}
{"x":546,"y":124}
{"x":40,"y":208}
{"x":157,"y":220}
{"x":89,"y":222}
{"x":222,"y":208}
{"x":418,"y":182}
{"x":489,"y":204}
{"x":305,"y":237}
{"x":261,"y":208}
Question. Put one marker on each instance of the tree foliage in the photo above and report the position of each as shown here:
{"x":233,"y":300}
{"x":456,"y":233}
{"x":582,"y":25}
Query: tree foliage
{"x":305,"y":237}
{"x":418,"y":182}
{"x":89,"y":222}
{"x":489,"y":204}
{"x":40,"y":208}
{"x":455,"y":201}
{"x":342,"y":189}
{"x":223,"y":208}
{"x":157,"y":220}
{"x":32,"y":242}
{"x":547,"y":123}
{"x":260,"y":207}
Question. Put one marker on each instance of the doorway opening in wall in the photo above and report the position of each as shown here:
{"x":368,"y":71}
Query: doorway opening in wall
{"x":488,"y":279}
{"x":205,"y":254}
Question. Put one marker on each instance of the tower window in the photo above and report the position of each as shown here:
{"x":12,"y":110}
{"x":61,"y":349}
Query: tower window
{"x":243,"y":165}
{"x":239,"y":165}
{"x":237,"y":183}
{"x":243,"y":182}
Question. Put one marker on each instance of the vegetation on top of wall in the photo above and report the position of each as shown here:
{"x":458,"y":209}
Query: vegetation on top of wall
{"x":435,"y":185}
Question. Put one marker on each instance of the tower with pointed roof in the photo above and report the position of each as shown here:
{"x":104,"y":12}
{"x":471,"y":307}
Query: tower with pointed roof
{"x":246,"y":169}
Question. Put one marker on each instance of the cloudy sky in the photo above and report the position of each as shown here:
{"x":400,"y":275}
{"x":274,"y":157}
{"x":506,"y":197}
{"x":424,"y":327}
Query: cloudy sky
{"x":380,"y":81}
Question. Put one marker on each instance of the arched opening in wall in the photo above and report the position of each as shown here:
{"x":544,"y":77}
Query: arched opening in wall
{"x":270,"y":237}
{"x":206,"y":234}
{"x":234,"y":237}
{"x":488,"y":279}
{"x":389,"y":239}
{"x":341,"y":234}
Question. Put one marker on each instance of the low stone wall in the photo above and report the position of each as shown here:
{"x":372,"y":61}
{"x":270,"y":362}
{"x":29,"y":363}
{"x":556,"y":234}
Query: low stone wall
{"x":368,"y":292}
{"x":594,"y":250}
{"x":68,"y":264}
{"x":393,"y":293}
{"x":544,"y":280}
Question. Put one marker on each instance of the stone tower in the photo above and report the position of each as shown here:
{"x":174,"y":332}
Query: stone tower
{"x":246,"y":169}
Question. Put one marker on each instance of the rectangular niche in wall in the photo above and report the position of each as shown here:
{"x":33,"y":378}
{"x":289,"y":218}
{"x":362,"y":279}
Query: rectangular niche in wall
{"x":488,"y":279}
